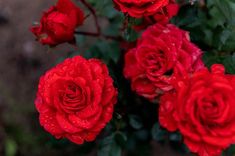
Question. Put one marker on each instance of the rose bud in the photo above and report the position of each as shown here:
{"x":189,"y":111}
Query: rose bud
{"x":58,"y":24}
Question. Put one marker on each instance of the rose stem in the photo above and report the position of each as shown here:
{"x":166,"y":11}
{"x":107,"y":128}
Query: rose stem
{"x":89,"y":7}
{"x":98,"y":33}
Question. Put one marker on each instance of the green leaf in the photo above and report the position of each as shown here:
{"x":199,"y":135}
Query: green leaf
{"x":230,"y":151}
{"x":217,"y":17}
{"x":229,"y":63}
{"x":104,"y":8}
{"x":210,"y":58}
{"x":115,"y":52}
{"x":107,"y":51}
{"x":224,"y":36}
{"x":120,"y":139}
{"x":135,"y":121}
{"x":80,"y":39}
{"x":229,"y":44}
{"x":222,"y":10}
{"x":109,"y":147}
{"x":142,"y":134}
{"x":130,"y":34}
{"x":135,"y":21}
{"x":158,"y":134}
{"x":177,"y":137}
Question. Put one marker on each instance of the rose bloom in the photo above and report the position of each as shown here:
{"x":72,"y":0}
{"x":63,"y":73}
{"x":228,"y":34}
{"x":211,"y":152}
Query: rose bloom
{"x":203,"y":110}
{"x":140,"y":8}
{"x":58,"y":24}
{"x":162,"y":16}
{"x":162,"y":53}
{"x":166,"y":13}
{"x":75,"y":99}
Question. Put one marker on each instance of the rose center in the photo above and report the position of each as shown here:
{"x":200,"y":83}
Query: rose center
{"x":155,"y":63}
{"x":72,"y":97}
{"x":208,"y":111}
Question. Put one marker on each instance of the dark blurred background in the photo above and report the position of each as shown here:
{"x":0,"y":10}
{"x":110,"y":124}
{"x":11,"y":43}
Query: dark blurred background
{"x":22,"y":61}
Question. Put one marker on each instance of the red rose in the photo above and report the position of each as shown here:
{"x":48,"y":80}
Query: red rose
{"x":166,"y":13}
{"x":140,"y":8}
{"x":162,"y":53}
{"x":162,"y":16}
{"x":166,"y":110}
{"x":75,"y":99}
{"x":58,"y":23}
{"x":203,"y":109}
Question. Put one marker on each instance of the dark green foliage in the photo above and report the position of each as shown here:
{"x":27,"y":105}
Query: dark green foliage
{"x":211,"y":26}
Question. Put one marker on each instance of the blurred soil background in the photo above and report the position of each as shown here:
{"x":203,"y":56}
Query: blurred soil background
{"x":22,"y":61}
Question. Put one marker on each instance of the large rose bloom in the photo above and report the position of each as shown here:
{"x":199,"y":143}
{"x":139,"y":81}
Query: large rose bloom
{"x":162,"y":53}
{"x":203,"y":110}
{"x":58,"y":24}
{"x":75,"y":99}
{"x":140,"y":8}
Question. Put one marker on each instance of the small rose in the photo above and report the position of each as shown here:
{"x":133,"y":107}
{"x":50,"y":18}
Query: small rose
{"x":58,"y":24}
